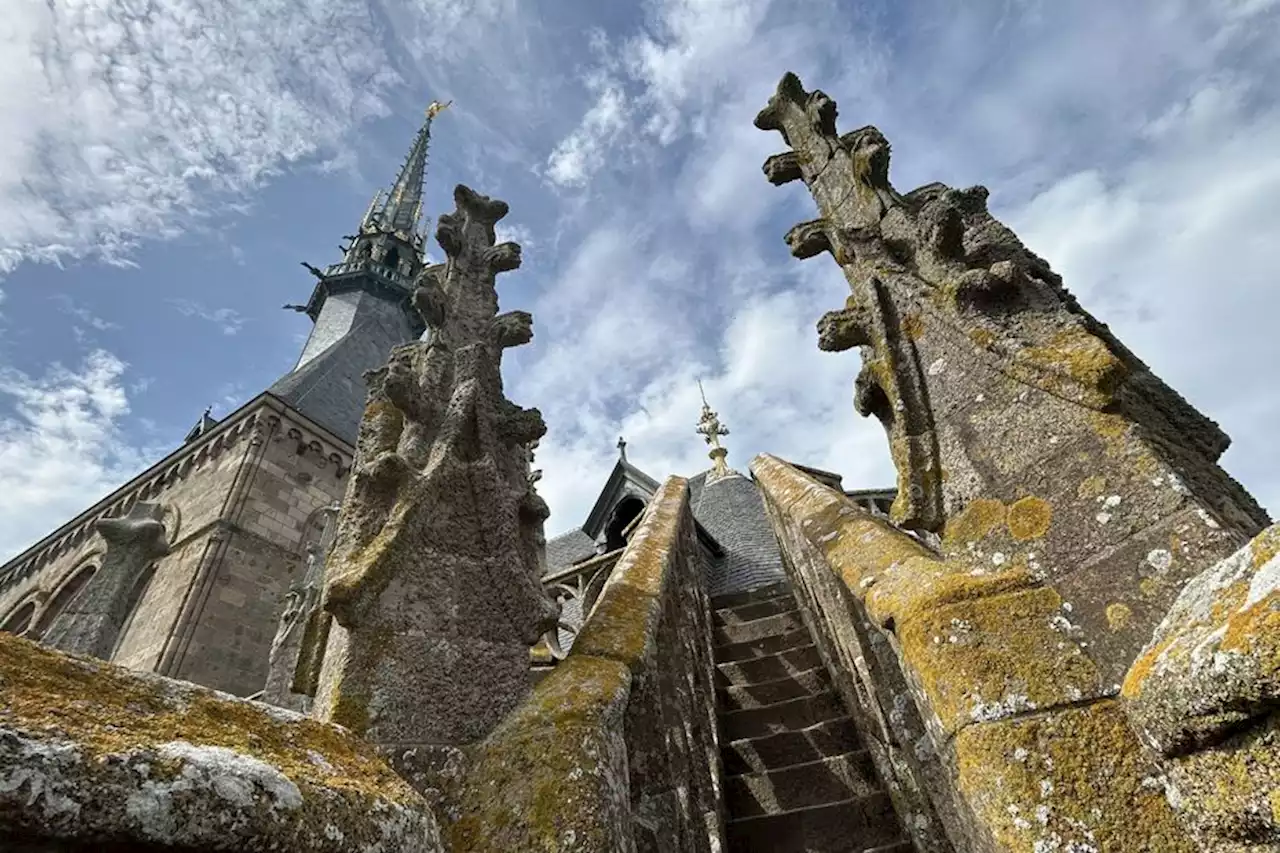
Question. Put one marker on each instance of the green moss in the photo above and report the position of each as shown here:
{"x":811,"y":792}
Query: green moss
{"x":108,"y":710}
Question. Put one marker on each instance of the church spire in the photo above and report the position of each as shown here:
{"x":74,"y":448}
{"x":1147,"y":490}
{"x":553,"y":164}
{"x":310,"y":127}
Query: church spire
{"x":400,"y":210}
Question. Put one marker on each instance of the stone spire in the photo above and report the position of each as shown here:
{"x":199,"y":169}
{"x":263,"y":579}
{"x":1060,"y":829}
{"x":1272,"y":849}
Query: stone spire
{"x":434,"y":578}
{"x":400,"y":210}
{"x":711,"y":428}
{"x":361,"y":305}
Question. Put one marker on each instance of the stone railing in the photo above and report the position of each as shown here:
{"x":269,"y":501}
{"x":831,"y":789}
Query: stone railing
{"x":1000,"y":731}
{"x":576,"y":589}
{"x":616,"y":749}
{"x":372,"y":266}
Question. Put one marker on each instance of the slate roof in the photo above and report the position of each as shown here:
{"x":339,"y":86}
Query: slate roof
{"x":731,"y":509}
{"x":330,"y":388}
{"x":569,"y":548}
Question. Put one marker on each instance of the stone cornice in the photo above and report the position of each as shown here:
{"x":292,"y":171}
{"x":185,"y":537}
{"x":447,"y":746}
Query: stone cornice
{"x":325,"y":449}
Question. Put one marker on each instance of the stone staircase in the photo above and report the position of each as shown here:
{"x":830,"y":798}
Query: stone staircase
{"x":797,"y":777}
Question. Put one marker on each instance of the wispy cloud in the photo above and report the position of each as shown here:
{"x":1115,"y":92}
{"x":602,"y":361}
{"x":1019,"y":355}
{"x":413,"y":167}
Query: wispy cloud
{"x":228,"y":320}
{"x":63,"y":446}
{"x":84,"y":315}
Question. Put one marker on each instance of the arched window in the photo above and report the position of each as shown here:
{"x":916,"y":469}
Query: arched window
{"x":63,"y":597}
{"x":19,"y":620}
{"x":392,"y":258}
{"x":623,"y":514}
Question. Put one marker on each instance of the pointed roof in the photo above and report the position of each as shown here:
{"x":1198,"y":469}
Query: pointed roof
{"x":401,"y":209}
{"x":202,"y":426}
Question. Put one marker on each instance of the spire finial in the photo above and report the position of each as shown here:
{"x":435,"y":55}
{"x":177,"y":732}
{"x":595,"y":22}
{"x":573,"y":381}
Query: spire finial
{"x":622,"y":448}
{"x":710,"y":427}
{"x":402,"y":207}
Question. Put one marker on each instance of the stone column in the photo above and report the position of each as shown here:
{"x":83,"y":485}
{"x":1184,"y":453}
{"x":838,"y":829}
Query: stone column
{"x":92,"y":621}
{"x":434,"y":580}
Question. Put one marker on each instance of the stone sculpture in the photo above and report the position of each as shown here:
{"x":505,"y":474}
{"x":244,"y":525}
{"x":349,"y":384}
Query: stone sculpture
{"x":434,"y":580}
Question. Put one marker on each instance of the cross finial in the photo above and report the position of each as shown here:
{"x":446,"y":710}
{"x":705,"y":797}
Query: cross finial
{"x":622,"y":448}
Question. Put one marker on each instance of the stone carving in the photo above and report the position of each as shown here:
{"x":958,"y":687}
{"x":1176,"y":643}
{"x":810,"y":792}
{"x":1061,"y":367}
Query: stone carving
{"x":935,"y":257}
{"x":434,"y":580}
{"x":91,"y":623}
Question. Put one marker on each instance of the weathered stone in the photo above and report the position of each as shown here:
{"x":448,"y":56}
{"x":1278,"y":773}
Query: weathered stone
{"x":1204,"y":693}
{"x":1002,"y":399}
{"x":1076,"y":779}
{"x":434,"y":580}
{"x":617,"y":748}
{"x":92,"y":753}
{"x":90,"y":625}
{"x":973,"y":659}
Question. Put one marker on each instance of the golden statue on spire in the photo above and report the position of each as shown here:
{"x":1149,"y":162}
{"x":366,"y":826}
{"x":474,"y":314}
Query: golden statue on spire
{"x":435,"y":107}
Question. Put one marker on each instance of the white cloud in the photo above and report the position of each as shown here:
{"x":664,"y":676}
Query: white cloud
{"x":228,"y":320}
{"x":63,"y":447}
{"x":123,"y":121}
{"x":580,"y":154}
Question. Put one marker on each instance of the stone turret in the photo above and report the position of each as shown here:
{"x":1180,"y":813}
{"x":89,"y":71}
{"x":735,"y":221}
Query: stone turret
{"x":433,"y":582}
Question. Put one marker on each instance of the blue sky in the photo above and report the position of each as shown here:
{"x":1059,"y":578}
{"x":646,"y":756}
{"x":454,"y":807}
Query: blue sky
{"x":163,"y":172}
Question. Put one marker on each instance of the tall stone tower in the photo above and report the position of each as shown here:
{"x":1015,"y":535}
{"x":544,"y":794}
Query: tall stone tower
{"x":235,"y":519}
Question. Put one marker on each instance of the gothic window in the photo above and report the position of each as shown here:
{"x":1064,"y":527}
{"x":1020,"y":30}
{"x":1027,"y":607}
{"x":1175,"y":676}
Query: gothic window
{"x":64,"y":596}
{"x":135,"y":596}
{"x":392,"y":258}
{"x":18,"y":621}
{"x":623,"y":514}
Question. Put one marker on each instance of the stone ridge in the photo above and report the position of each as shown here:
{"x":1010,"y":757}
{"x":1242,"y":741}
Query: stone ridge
{"x":89,"y":750}
{"x":586,"y":763}
{"x":1040,"y":757}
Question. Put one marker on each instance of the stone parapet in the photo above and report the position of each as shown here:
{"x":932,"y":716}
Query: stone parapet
{"x":1000,"y":726}
{"x":617,"y":748}
{"x":93,"y":756}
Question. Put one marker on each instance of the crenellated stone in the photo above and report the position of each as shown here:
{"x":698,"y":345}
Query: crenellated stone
{"x":434,"y":580}
{"x":91,"y":623}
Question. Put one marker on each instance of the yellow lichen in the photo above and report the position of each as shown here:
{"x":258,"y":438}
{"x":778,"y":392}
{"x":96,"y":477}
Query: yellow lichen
{"x":975,"y":521}
{"x":1118,"y":616}
{"x":1091,"y":487}
{"x":913,"y":325}
{"x":1029,"y":518}
{"x":1149,"y":587}
{"x":920,"y":585}
{"x":982,"y":337}
{"x":992,"y":656}
{"x":1265,"y":546}
{"x":1075,"y":779}
{"x":1081,"y":358}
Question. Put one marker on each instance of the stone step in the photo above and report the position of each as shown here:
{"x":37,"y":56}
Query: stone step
{"x":762,"y":647}
{"x":752,"y":611}
{"x":751,"y":596}
{"x":788,"y":716}
{"x":853,"y":826}
{"x":758,"y":629}
{"x":804,"y":683}
{"x":828,"y":780}
{"x":783,"y":749}
{"x":767,"y":668}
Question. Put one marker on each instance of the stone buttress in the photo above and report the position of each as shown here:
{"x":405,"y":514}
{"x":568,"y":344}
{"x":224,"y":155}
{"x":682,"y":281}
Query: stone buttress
{"x":433,"y":581}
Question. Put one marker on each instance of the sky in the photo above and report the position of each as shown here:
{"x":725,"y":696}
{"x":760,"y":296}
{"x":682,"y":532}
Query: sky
{"x":166,"y":165}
